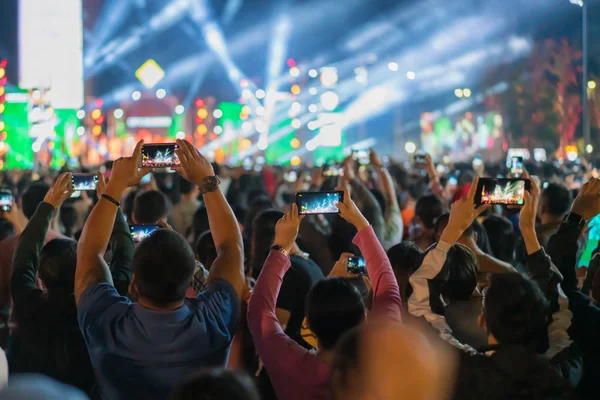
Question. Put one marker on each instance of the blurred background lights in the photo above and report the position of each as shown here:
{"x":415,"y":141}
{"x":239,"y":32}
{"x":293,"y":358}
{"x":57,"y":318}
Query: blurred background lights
{"x":295,"y":143}
{"x":296,"y":123}
{"x":161,"y":93}
{"x":180,"y":135}
{"x":313,"y":108}
{"x":411,"y":75}
{"x":118,"y":113}
{"x":294,"y":72}
{"x":80,"y":130}
{"x":295,"y":161}
{"x":260,"y":111}
{"x":217,"y":113}
{"x":260,"y":94}
{"x":295,"y":89}
{"x":179,"y":109}
{"x":136,"y":95}
{"x":329,"y":76}
{"x":592,"y":85}
{"x":81,"y":114}
{"x":218,"y":130}
{"x":313,"y":73}
{"x":263,"y":143}
{"x":246,"y":94}
{"x":458,"y":92}
{"x":313,"y":90}
{"x":329,"y":100}
{"x":467,"y":92}
{"x":392,"y":66}
{"x":410,"y":147}
{"x":247,"y":126}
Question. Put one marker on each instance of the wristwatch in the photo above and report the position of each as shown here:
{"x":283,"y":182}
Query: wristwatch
{"x":280,"y":249}
{"x":573,"y":218}
{"x":210,"y":184}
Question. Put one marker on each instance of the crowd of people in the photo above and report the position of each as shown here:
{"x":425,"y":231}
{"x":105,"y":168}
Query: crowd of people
{"x":238,"y":296}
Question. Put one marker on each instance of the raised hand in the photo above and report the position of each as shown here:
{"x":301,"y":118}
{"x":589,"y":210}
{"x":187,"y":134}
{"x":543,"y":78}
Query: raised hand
{"x":286,"y":229}
{"x":462,"y":215}
{"x":587,"y":202}
{"x":350,"y":212}
{"x":340,"y":269}
{"x":101,"y":186}
{"x":529,"y":210}
{"x":374,"y":159}
{"x":194,"y":166}
{"x":126,"y":172}
{"x":60,"y":191}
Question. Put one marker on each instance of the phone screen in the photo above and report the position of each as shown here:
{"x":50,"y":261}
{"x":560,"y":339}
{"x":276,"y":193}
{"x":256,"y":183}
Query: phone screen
{"x":140,"y":232}
{"x":516,"y":167}
{"x":290,"y":177}
{"x":160,"y":155}
{"x":357,"y":266}
{"x":84,"y":181}
{"x":6,"y":199}
{"x":419,"y":159}
{"x":146,"y":178}
{"x":501,"y":191}
{"x":319,"y":202}
{"x":593,"y":237}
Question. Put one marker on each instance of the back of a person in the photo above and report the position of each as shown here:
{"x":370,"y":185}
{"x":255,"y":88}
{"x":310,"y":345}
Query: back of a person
{"x":48,"y":340}
{"x":147,"y":352}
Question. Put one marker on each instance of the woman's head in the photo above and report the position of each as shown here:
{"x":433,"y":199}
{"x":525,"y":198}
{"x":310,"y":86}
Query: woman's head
{"x":333,"y":307}
{"x":405,"y":258}
{"x":58,"y":259}
{"x":263,"y":234}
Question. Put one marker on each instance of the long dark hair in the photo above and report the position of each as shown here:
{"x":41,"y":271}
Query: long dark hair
{"x":263,"y":234}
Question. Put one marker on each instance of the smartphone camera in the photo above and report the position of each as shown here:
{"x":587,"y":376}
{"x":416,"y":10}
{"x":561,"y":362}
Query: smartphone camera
{"x":357,"y":266}
{"x":501,"y":191}
{"x":6,"y":200}
{"x":84,"y":182}
{"x":140,"y":232}
{"x":319,"y":202}
{"x":159,"y":155}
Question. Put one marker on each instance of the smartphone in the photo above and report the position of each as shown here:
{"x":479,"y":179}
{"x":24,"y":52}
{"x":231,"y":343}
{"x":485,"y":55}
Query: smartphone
{"x":333,"y":170}
{"x":540,"y":155}
{"x":452,"y":181}
{"x":159,"y":155}
{"x":357,"y":266}
{"x":501,"y":191}
{"x":477,"y":161}
{"x":84,"y":181}
{"x":319,"y":202}
{"x":6,"y":199}
{"x":516,"y":167}
{"x":419,"y":159}
{"x":140,"y":232}
{"x":516,"y":153}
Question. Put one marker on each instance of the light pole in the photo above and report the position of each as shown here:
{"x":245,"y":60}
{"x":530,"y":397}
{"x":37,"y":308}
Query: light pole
{"x":584,"y":83}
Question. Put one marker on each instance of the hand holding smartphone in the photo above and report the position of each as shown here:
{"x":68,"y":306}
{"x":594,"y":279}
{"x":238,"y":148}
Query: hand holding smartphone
{"x":140,"y":232}
{"x":319,"y":202}
{"x":159,"y":155}
{"x":357,"y":266}
{"x":6,"y":200}
{"x":84,"y":181}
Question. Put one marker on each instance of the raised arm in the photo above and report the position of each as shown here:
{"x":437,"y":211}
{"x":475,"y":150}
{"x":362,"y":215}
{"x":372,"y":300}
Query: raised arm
{"x":386,"y":294}
{"x":393,"y":223}
{"x":279,"y":352}
{"x":91,"y":267}
{"x":27,"y":254}
{"x":229,"y":264}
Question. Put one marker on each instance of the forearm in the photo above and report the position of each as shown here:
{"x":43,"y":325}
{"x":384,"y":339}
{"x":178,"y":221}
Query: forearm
{"x":370,"y":208}
{"x":223,"y":224}
{"x":122,"y":254}
{"x":386,"y":294}
{"x":532,"y":245}
{"x":387,"y":185}
{"x":26,"y":258}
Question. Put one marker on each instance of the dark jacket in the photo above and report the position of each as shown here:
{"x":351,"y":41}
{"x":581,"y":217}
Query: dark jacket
{"x":47,"y":338}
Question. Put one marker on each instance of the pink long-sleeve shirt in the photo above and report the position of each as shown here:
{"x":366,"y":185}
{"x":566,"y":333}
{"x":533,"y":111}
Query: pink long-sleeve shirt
{"x":297,"y":373}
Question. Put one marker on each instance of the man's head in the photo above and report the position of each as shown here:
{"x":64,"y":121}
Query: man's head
{"x":151,"y":207}
{"x":216,"y":384}
{"x":555,"y":202}
{"x":333,"y":307}
{"x":206,"y":250}
{"x":188,"y":188}
{"x":58,"y":259}
{"x":32,"y":197}
{"x":163,"y":264}
{"x":427,"y":210}
{"x":442,"y":222}
{"x":514,"y":312}
{"x":461,"y":266}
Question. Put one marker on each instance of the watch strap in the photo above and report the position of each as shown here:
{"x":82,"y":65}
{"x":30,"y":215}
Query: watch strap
{"x":574,"y":218}
{"x":210,"y":184}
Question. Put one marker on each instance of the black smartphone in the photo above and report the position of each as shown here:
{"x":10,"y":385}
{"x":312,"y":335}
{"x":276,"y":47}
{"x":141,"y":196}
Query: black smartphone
{"x":333,"y":170}
{"x":419,"y":159}
{"x":6,"y":200}
{"x":140,"y":232}
{"x":319,"y":202}
{"x":159,"y":155}
{"x":501,"y":191}
{"x":84,"y":181}
{"x":357,"y":266}
{"x":516,"y":166}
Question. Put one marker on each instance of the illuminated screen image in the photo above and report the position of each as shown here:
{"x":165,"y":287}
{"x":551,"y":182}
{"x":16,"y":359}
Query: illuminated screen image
{"x":501,"y":191}
{"x":319,"y":202}
{"x":357,"y":266}
{"x":593,"y":237}
{"x":5,"y":200}
{"x":461,"y":136}
{"x":140,"y":232}
{"x":159,"y":155}
{"x":84,"y":181}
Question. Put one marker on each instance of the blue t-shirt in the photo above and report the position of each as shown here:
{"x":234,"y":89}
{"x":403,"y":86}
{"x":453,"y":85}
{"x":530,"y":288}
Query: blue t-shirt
{"x":140,"y":353}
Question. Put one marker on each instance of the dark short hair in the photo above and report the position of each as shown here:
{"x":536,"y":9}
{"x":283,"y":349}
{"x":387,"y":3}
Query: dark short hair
{"x":206,"y":249}
{"x":516,"y":311}
{"x":216,"y":383}
{"x":240,"y":214}
{"x":256,"y":207}
{"x":333,"y":307}
{"x":200,"y":223}
{"x":462,"y":267}
{"x":347,"y":361}
{"x":128,"y":206}
{"x":185,"y":186}
{"x":263,"y":234}
{"x":429,"y":208}
{"x":163,"y":264}
{"x":557,"y":199}
{"x":502,"y":238}
{"x":150,"y":207}
{"x":58,"y":259}
{"x":32,"y":197}
{"x":405,"y":258}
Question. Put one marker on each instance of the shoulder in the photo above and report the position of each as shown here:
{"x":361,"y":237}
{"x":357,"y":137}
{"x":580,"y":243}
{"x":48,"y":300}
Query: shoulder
{"x":98,"y":298}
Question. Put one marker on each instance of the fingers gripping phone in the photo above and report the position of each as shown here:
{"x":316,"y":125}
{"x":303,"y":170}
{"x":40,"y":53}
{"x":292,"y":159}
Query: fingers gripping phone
{"x":6,"y":200}
{"x":357,"y":266}
{"x":319,"y":202}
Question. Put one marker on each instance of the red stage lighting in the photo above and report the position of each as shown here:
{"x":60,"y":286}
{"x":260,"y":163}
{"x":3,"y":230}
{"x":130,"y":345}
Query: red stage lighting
{"x":3,"y":63}
{"x":199,"y":120}
{"x":99,"y":120}
{"x":291,"y":62}
{"x":199,"y":103}
{"x":99,"y":103}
